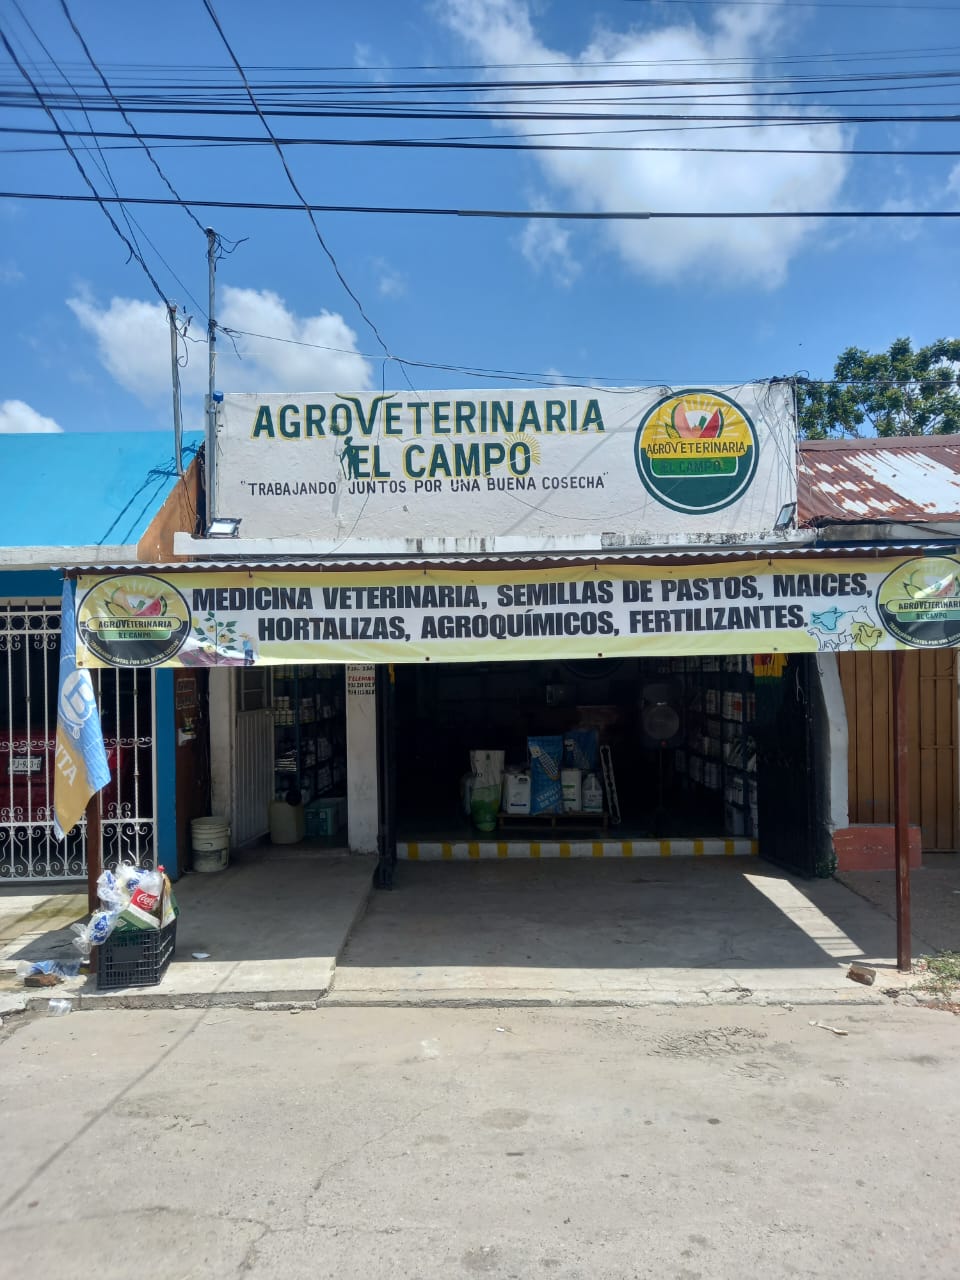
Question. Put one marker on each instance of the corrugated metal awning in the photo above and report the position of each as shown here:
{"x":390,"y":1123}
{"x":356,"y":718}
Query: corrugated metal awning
{"x":691,"y":555}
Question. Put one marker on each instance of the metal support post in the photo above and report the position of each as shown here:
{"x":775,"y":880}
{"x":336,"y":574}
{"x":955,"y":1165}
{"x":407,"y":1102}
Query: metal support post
{"x":175,"y":372}
{"x":901,"y":813}
{"x":94,"y":851}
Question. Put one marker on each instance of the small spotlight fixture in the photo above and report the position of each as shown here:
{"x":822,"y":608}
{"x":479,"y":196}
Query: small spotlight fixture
{"x":785,"y":520}
{"x":223,"y":527}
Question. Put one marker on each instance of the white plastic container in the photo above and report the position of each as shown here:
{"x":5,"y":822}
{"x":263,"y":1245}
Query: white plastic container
{"x":210,"y":838}
{"x":288,"y":824}
{"x":571,"y":780}
{"x":516,"y":791}
{"x":591,"y":794}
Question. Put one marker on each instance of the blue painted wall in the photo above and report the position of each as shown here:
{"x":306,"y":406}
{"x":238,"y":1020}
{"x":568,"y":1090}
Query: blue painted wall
{"x":108,"y":486}
{"x":31,"y":584}
{"x":108,"y":489}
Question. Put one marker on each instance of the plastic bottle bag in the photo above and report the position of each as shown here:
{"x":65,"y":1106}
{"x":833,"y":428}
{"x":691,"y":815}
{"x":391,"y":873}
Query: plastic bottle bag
{"x":484,"y":806}
{"x":145,"y":908}
{"x":128,"y":879}
{"x":58,"y":1008}
{"x":110,"y":892}
{"x":487,"y":770}
{"x":62,"y":968}
{"x":99,"y":927}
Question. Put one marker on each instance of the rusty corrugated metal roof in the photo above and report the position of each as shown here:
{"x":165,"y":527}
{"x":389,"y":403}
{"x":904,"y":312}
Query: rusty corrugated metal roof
{"x":906,"y":479}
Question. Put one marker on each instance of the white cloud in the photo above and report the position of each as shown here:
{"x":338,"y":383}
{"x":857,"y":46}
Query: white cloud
{"x":17,"y":418}
{"x":10,"y":273}
{"x":746,"y":252}
{"x":546,"y":246}
{"x":368,"y":59}
{"x":133,"y":344}
{"x":391,"y":284}
{"x":282,"y":365}
{"x":953,"y":182}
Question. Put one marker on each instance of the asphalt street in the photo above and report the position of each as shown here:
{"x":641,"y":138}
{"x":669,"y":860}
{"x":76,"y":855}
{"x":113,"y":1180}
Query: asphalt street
{"x":576,"y":1144}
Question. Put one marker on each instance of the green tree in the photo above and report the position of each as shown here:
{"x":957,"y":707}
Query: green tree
{"x":900,"y":392}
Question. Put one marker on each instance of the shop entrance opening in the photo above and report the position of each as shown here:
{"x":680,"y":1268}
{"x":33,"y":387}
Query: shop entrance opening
{"x":610,"y":757}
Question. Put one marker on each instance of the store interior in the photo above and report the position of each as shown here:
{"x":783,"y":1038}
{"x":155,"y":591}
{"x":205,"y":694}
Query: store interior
{"x":310,"y":748}
{"x":679,"y":734}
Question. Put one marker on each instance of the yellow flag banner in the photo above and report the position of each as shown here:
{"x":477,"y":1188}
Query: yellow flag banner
{"x":252,"y":618}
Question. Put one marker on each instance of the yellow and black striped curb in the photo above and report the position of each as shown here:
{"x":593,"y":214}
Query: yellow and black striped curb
{"x":490,"y":850}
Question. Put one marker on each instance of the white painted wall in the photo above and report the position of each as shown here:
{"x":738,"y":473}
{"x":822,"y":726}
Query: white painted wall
{"x":361,"y":702}
{"x":836,"y":745}
{"x":223,"y":712}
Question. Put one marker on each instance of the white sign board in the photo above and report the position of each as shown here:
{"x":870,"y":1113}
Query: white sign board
{"x":571,"y":468}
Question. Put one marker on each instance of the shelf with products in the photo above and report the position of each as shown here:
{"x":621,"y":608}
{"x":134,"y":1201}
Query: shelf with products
{"x":310,"y":739}
{"x":718,"y":752}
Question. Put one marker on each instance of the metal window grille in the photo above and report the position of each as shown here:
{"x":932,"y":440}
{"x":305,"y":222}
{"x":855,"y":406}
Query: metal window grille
{"x":29,"y":672}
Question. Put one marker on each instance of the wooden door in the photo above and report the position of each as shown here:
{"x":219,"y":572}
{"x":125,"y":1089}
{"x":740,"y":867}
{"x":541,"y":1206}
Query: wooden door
{"x":931,"y":676}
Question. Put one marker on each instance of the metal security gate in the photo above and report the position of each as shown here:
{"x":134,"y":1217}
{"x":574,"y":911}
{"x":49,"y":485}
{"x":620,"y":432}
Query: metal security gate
{"x":29,"y":672}
{"x":254,"y":776}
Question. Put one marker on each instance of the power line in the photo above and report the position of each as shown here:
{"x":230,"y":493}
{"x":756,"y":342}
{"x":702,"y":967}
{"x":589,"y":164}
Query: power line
{"x":166,"y":181}
{"x":689,"y":118}
{"x":814,"y":4}
{"x":575,"y":78}
{"x":691,"y":115}
{"x":316,"y":101}
{"x":102,"y":201}
{"x":101,"y":162}
{"x":290,"y":178}
{"x":464,"y":144}
{"x":102,"y":165}
{"x":554,"y":378}
{"x":525,"y":214}
{"x":313,"y":222}
{"x":207,"y":70}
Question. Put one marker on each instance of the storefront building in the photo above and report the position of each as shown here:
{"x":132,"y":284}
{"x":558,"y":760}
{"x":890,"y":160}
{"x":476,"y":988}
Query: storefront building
{"x":889,"y":492}
{"x":605,"y":592}
{"x":95,"y":500}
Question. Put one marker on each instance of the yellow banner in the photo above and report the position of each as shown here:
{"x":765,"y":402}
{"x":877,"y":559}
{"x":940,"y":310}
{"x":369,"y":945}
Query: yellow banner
{"x":251,"y":618}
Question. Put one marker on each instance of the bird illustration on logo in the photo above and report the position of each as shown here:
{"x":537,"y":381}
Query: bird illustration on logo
{"x":866,"y":635}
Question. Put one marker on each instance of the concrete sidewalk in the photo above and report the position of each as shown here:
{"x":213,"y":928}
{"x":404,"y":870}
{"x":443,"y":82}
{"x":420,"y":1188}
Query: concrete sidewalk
{"x":934,"y":898}
{"x":35,"y":922}
{"x":690,"y":931}
{"x":272,"y":926}
{"x":287,"y":926}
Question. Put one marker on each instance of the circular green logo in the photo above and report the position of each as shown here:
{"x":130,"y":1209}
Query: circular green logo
{"x":696,"y":451}
{"x":919,"y":603}
{"x":133,"y":620}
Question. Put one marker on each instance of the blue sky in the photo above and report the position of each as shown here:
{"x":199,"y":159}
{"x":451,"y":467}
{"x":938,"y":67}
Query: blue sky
{"x":678,"y":303}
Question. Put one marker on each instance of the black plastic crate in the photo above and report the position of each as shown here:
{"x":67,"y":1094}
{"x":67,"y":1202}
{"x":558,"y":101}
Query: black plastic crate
{"x":135,"y":957}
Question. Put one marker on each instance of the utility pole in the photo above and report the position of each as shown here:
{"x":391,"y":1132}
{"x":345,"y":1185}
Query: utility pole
{"x":211,"y":450}
{"x":175,"y":371}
